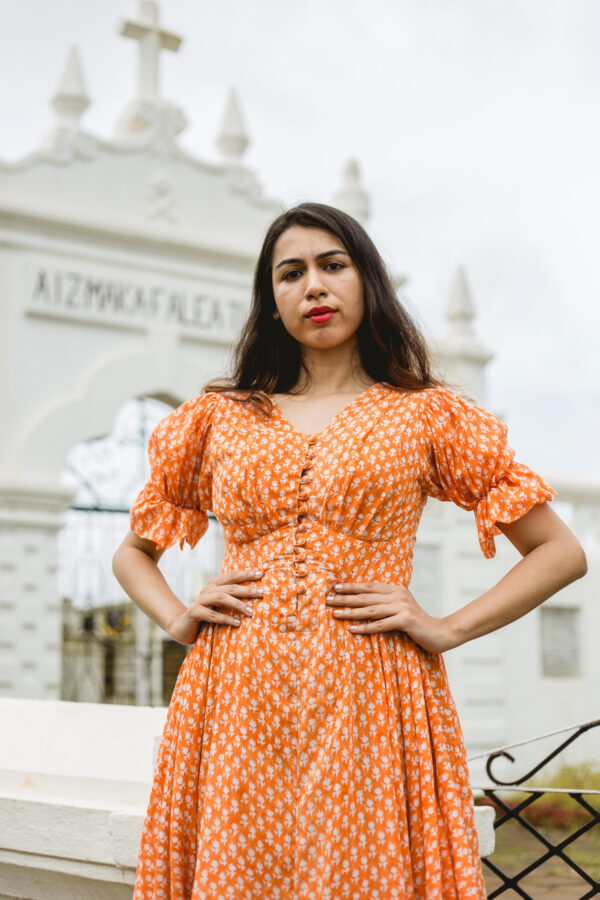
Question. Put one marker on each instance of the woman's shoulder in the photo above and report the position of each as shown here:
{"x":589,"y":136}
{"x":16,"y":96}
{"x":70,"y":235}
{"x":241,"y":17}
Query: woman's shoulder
{"x":421,"y":398}
{"x":189,"y":417}
{"x":201,"y":405}
{"x":434,"y":397}
{"x":438,"y":411}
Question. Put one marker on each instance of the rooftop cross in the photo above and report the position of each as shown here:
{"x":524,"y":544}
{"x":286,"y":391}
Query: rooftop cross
{"x":146,"y":29}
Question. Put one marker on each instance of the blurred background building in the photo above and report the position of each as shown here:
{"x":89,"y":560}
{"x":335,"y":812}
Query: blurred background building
{"x":125,"y":273}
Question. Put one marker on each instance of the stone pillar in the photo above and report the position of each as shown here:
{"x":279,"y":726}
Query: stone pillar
{"x":30,"y":608}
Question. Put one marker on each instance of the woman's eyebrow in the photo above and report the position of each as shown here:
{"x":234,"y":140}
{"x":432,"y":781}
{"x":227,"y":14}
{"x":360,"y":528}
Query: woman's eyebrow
{"x":318,"y":256}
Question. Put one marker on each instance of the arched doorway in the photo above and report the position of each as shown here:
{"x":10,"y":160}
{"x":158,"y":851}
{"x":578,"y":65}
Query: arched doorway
{"x":111,"y":652}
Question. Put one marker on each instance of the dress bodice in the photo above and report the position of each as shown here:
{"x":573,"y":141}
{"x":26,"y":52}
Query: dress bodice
{"x":346,"y":501}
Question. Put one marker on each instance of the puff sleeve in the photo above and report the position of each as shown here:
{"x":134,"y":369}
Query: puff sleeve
{"x":471,"y":464}
{"x":172,"y":505}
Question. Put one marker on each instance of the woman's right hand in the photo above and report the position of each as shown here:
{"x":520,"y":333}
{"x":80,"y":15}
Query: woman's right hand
{"x":223,"y":590}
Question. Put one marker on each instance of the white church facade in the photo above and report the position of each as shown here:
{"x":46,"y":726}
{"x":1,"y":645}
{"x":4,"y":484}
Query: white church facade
{"x":125,"y":272}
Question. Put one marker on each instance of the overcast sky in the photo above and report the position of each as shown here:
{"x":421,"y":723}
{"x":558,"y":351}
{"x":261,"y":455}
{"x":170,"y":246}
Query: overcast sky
{"x":476,"y":125}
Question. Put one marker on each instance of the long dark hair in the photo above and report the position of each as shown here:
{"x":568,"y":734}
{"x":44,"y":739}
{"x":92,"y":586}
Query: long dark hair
{"x":268,"y":359}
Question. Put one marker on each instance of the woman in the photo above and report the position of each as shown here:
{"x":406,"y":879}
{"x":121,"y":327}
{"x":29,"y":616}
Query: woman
{"x":312,"y":749}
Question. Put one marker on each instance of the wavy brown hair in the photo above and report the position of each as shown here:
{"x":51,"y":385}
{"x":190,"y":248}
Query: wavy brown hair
{"x":268,"y":359}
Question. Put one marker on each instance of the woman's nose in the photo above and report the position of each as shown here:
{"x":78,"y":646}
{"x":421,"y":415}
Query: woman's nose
{"x":315,"y":286}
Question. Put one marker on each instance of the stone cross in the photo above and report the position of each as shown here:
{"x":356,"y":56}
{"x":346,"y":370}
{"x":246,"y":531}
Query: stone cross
{"x":152,"y":40}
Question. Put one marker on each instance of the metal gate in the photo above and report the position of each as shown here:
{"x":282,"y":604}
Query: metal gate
{"x":519,"y":808}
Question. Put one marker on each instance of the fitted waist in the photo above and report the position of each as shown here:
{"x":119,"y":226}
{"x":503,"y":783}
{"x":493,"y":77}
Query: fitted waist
{"x":291,"y":563}
{"x":307,"y":548}
{"x":326,"y":569}
{"x":288,"y":568}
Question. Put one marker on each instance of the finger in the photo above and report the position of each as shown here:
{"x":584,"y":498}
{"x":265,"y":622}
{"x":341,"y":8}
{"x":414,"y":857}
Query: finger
{"x":230,"y":602}
{"x":207,"y":614}
{"x":353,"y":588}
{"x":352,"y":599}
{"x":373,"y":627}
{"x":362,"y":612}
{"x":223,"y":599}
{"x":245,"y":590}
{"x":240,"y":575}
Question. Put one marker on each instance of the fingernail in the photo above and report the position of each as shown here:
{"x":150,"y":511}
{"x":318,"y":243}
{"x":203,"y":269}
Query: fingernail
{"x":249,"y":610}
{"x":337,"y":586}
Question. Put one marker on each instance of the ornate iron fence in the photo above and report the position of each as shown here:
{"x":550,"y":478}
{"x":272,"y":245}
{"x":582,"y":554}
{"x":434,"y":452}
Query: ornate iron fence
{"x":519,"y":811}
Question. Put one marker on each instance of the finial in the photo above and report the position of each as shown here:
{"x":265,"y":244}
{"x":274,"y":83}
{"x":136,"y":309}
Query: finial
{"x":232,"y":140}
{"x":66,"y":141}
{"x":464,"y":356}
{"x":149,"y":115}
{"x":152,"y":39}
{"x":71,"y":100}
{"x":461,"y":309}
{"x":352,"y":197}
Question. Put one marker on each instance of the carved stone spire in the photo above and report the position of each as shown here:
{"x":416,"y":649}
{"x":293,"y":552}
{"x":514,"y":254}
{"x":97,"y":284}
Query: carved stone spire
{"x":232,"y":140}
{"x":352,"y":197}
{"x":66,"y":140}
{"x":464,"y":355}
{"x":71,"y":100}
{"x":460,"y":311}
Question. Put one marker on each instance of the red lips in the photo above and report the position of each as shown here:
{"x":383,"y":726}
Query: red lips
{"x":318,"y":311}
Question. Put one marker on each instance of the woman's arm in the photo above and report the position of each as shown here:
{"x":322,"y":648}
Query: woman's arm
{"x":135,"y":568}
{"x":552,"y":559}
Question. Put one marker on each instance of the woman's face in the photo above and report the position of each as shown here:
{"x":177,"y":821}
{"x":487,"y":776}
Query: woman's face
{"x":312,"y":269}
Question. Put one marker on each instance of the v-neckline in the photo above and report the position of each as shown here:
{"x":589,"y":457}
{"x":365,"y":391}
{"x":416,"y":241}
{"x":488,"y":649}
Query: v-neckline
{"x":334,"y":421}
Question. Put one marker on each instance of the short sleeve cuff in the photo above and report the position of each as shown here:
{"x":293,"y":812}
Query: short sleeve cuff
{"x":517,"y":491}
{"x":156,"y":519}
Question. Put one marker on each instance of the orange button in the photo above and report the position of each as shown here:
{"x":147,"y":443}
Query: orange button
{"x":301,"y":589}
{"x":301,"y":528}
{"x":301,"y":572}
{"x":300,"y":541}
{"x":305,"y":479}
{"x":310,"y":454}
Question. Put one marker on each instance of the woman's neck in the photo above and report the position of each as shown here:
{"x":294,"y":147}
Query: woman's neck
{"x":331,"y":373}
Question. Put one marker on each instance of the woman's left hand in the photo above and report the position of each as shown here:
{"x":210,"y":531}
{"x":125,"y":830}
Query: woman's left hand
{"x":389,"y":607}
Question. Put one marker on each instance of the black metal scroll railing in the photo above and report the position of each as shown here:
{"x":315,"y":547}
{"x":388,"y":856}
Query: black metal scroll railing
{"x":533,"y":845}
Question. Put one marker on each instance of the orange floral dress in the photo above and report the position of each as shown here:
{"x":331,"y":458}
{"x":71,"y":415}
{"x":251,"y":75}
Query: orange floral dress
{"x":300,"y":761}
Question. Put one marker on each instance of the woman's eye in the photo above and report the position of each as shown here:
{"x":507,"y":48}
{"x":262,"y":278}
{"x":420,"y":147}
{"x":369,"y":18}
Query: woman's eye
{"x":291,"y":275}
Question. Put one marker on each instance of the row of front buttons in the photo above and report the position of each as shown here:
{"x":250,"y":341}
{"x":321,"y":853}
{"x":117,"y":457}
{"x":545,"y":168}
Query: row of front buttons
{"x":303,"y":498}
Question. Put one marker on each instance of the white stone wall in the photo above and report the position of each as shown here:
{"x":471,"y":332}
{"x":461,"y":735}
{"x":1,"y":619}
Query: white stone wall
{"x":30,"y":609}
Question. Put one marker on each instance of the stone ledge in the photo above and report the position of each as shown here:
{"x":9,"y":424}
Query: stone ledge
{"x":30,"y":877}
{"x":73,"y":833}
